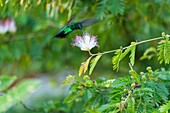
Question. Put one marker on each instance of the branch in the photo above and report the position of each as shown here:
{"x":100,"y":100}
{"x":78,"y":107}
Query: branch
{"x":138,"y":43}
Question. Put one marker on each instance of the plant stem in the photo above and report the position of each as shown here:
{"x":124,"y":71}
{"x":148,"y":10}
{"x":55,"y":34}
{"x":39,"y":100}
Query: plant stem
{"x":138,"y":43}
{"x":90,"y":53}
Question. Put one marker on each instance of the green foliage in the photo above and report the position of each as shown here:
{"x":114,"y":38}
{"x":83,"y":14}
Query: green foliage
{"x":49,"y":106}
{"x":35,"y":30}
{"x":164,"y":52}
{"x":93,"y":63}
{"x":131,"y":105}
{"x":132,"y":54}
{"x":84,"y":66}
{"x":165,"y":108}
{"x":135,"y":76}
{"x":143,"y":93}
{"x":123,"y":94}
{"x":119,"y":55}
{"x":116,"y":59}
{"x":31,"y":49}
{"x":15,"y":94}
{"x":113,"y":7}
{"x":149,"y":53}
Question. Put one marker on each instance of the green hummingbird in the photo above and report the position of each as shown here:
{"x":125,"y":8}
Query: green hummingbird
{"x":71,"y":26}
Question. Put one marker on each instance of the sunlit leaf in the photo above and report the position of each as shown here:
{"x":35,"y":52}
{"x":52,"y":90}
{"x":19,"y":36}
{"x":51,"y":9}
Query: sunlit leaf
{"x":116,"y":59}
{"x":93,"y":63}
{"x":6,"y":81}
{"x":164,"y":108}
{"x":132,"y":55}
{"x":131,"y":105}
{"x":84,"y":66}
{"x":149,"y":53}
{"x":164,"y":52}
{"x":135,"y":75}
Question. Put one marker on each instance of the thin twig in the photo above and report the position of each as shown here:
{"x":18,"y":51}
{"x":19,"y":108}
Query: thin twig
{"x":138,"y":43}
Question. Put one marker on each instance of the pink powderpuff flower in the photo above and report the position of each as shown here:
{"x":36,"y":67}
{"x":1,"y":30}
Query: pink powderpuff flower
{"x":4,"y":26}
{"x":85,"y":43}
{"x":7,"y":26}
{"x":12,"y":26}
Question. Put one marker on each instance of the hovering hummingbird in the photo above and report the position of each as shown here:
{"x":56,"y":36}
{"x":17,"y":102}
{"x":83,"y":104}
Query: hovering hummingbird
{"x":71,"y":26}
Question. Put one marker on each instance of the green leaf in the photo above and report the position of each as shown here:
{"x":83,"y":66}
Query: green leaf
{"x":93,"y":100}
{"x":69,"y":79}
{"x":135,"y":75}
{"x":101,"y":10}
{"x":84,"y":66}
{"x":73,"y":96}
{"x":92,"y":111}
{"x":131,"y":105}
{"x":125,"y":53}
{"x":143,"y":90}
{"x":116,"y":6}
{"x":93,"y":63}
{"x":113,"y":7}
{"x":164,"y":108}
{"x":103,"y":108}
{"x":6,"y":81}
{"x":116,"y":59}
{"x":164,"y":52}
{"x":119,"y":55}
{"x":149,"y":53}
{"x":132,"y":55}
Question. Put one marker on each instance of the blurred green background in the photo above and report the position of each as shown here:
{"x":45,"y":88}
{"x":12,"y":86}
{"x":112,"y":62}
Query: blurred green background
{"x":31,"y":52}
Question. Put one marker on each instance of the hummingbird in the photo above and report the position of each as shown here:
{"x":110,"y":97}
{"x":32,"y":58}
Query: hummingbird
{"x":71,"y":26}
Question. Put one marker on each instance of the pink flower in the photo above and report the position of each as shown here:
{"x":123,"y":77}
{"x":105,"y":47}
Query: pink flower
{"x":12,"y":26}
{"x":7,"y":26}
{"x":85,"y":43}
{"x":3,"y":27}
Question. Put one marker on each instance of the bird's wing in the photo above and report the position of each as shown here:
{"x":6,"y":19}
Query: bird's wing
{"x":88,"y":22}
{"x":70,"y":21}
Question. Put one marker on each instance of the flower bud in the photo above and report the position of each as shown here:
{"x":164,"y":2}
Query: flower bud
{"x":133,"y":85}
{"x":88,"y":83}
{"x":80,"y":87}
{"x":131,"y":77}
{"x":148,"y":68}
{"x":143,"y":78}
{"x":129,"y":92}
{"x":142,"y":73}
{"x":97,"y":91}
{"x":166,"y":36}
{"x":86,"y":77}
{"x":123,"y":98}
{"x":163,"y":34}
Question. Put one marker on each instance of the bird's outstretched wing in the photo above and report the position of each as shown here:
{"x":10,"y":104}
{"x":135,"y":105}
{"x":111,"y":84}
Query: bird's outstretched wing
{"x":88,"y":22}
{"x":71,"y":19}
